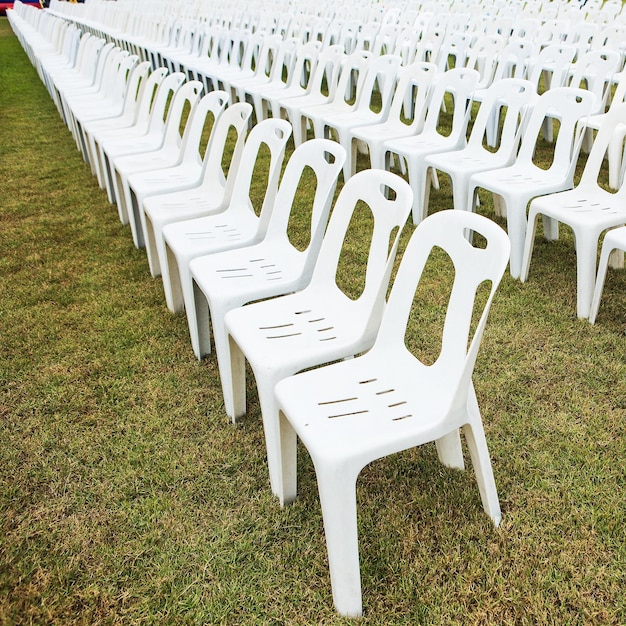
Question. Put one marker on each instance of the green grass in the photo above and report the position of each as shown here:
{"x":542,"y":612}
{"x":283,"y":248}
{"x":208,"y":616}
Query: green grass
{"x":126,"y":496}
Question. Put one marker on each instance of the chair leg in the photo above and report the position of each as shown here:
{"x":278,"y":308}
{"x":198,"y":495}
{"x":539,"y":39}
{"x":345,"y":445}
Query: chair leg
{"x":586,"y":251}
{"x":479,"y":453}
{"x":200,"y":333}
{"x":529,"y":241}
{"x":599,"y":286}
{"x":288,"y":482}
{"x":337,"y":489}
{"x":450,"y":451}
{"x":238,"y":379}
{"x":151,"y":245}
{"x":171,"y":282}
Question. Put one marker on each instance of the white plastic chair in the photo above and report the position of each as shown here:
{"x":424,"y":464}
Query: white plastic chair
{"x":587,"y":209}
{"x":125,"y":119}
{"x":321,"y":323}
{"x":483,"y":56}
{"x":176,"y":171}
{"x":616,"y":147}
{"x":552,"y":63}
{"x":459,"y":82}
{"x":352,"y":78}
{"x":415,"y":81}
{"x":512,"y":63}
{"x":519,"y":183}
{"x":280,"y":57}
{"x":614,"y":243}
{"x":595,"y":71}
{"x":266,"y":98}
{"x":514,"y":94}
{"x":238,"y":226}
{"x":325,"y":75}
{"x":273,"y":267}
{"x":262,"y":63}
{"x":381,"y":77}
{"x":135,"y":128}
{"x":386,"y":401}
{"x":110,"y":105}
{"x":162,"y":151}
{"x":143,"y":138}
{"x":212,"y":194}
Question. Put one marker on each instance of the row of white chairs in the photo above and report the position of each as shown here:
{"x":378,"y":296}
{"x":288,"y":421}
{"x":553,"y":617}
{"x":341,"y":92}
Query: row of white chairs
{"x":380,"y":403}
{"x":416,"y":144}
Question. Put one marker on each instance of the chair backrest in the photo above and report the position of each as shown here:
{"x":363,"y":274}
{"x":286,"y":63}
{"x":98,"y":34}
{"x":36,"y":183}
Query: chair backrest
{"x":122,"y":77}
{"x":351,"y":79}
{"x":283,"y":60}
{"x":328,"y":67}
{"x":429,"y":45}
{"x":483,"y":56}
{"x":513,"y":60}
{"x":212,"y":104}
{"x":455,"y":44}
{"x":594,"y":71}
{"x":414,"y":81}
{"x":186,"y":96}
{"x":614,"y":117}
{"x":555,"y":58}
{"x":234,"y":118}
{"x":619,"y":95}
{"x":148,"y":96}
{"x":568,"y":105}
{"x":306,"y":59}
{"x":388,"y":197}
{"x":513,"y":93}
{"x":459,"y":82}
{"x":473,"y":266}
{"x":134,"y":87}
{"x":325,"y":158}
{"x":381,"y":77}
{"x":164,"y":95}
{"x":274,"y":134}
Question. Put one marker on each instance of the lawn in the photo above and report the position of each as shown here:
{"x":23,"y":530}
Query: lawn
{"x":127,"y":497}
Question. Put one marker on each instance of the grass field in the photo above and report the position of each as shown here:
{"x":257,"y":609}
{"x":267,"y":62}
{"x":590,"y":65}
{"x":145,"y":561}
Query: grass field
{"x":126,"y":496}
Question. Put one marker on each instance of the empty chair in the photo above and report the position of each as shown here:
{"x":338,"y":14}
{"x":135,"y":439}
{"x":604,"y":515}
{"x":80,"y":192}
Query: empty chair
{"x":143,"y":137}
{"x":136,"y":127}
{"x":414,"y":81}
{"x":614,"y":243}
{"x":460,"y":165}
{"x":346,"y":94}
{"x":278,"y":64}
{"x":588,"y":209}
{"x":262,"y":63}
{"x":512,"y":63}
{"x":126,"y":118}
{"x":111,"y":102}
{"x":459,"y":82}
{"x":380,"y":78}
{"x":211,"y":195}
{"x":241,"y":224}
{"x":177,"y":171}
{"x":483,"y":56}
{"x":274,"y":266}
{"x":320,"y":89}
{"x":162,"y":151}
{"x":594,"y":71}
{"x":351,"y":413}
{"x":321,"y":323}
{"x":551,"y":65}
{"x":519,"y":183}
{"x":615,"y":152}
{"x":266,"y":98}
